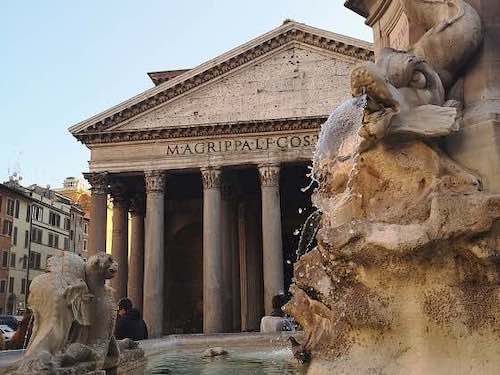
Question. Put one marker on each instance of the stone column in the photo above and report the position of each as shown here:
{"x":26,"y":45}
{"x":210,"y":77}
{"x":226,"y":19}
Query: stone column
{"x":154,"y":255}
{"x":212,"y":251}
{"x":136,"y":259}
{"x":98,"y":211}
{"x":230,"y":258}
{"x":271,"y":234}
{"x":119,"y":245}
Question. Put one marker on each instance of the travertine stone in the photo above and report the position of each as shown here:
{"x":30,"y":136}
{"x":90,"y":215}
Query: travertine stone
{"x":119,"y":248}
{"x":286,"y":86}
{"x":72,"y":297}
{"x":404,"y":278}
{"x":271,"y":234}
{"x":213,"y":312}
{"x":154,"y":254}
{"x":136,"y":260}
{"x":98,"y":211}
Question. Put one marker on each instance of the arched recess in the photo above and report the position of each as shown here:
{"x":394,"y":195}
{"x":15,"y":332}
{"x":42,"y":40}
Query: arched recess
{"x":184,"y":267}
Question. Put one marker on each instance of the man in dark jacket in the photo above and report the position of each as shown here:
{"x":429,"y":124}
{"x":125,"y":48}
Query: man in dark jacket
{"x":129,"y":323}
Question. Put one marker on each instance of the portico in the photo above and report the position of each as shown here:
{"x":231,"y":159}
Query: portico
{"x":210,"y":164}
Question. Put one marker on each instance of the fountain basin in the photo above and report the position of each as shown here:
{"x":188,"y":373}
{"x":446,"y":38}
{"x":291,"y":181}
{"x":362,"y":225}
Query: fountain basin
{"x":249,"y":353}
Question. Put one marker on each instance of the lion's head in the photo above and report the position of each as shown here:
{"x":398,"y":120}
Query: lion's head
{"x":103,"y":265}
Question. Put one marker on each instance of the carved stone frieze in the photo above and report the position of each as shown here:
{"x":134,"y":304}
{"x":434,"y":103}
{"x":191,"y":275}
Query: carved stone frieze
{"x":154,"y":181}
{"x":246,"y":127}
{"x":211,"y":178}
{"x":98,"y":182}
{"x":269,"y":174}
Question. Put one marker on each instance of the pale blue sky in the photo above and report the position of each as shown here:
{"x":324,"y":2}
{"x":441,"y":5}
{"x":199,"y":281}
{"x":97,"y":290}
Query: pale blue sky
{"x":62,"y":61}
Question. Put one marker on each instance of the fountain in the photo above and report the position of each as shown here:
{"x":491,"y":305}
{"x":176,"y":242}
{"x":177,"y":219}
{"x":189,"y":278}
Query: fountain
{"x":74,"y":318}
{"x":405,"y":276}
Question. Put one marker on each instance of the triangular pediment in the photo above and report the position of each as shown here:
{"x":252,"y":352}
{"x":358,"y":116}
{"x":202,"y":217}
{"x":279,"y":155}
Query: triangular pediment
{"x":292,"y":71}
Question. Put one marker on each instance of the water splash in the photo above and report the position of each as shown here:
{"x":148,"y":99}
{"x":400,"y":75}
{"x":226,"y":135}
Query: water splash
{"x":309,"y":231}
{"x":343,"y":123}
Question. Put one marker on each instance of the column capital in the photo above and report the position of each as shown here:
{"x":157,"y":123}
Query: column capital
{"x":211,"y":177}
{"x":155,"y":181}
{"x":98,"y":182}
{"x":137,"y":205}
{"x":119,"y":194}
{"x":269,"y":174}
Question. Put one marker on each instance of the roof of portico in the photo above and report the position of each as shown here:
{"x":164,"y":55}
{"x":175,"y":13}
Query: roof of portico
{"x":171,"y":84}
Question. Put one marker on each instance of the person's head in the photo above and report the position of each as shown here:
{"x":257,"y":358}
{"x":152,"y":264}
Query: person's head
{"x":278,"y":301}
{"x":124,"y":306}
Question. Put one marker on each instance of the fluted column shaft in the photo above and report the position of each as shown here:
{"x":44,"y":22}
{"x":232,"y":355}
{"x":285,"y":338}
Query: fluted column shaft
{"x":212,"y":252}
{"x":136,"y":259}
{"x":119,"y":245}
{"x":271,"y":234}
{"x":154,"y":257}
{"x":98,"y":211}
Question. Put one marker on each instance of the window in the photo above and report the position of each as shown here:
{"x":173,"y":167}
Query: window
{"x":26,"y":238}
{"x":16,"y":210}
{"x":36,"y":235}
{"x":10,"y":207}
{"x":2,"y":286}
{"x":54,"y":219}
{"x":14,"y":236}
{"x":23,"y":286}
{"x":35,"y":260}
{"x":85,"y":228}
{"x":53,"y":240}
{"x":84,"y":245}
{"x":71,"y":234}
{"x":5,"y":258}
{"x":38,"y":258}
{"x":7,"y":227}
{"x":28,"y":210}
{"x":11,"y":285}
{"x":38,"y":213}
{"x":13,"y":260}
{"x":66,"y":243}
{"x":25,"y":261}
{"x":67,"y":223}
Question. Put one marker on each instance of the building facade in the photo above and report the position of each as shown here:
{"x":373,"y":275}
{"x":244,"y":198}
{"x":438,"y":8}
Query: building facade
{"x":210,"y":164}
{"x":75,"y":190}
{"x":37,"y":223}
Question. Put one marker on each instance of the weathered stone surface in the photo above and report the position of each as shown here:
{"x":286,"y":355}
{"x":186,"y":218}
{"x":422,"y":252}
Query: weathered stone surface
{"x":74,"y":318}
{"x":404,"y":278}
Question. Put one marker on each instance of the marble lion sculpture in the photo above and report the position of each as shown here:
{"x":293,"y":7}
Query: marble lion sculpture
{"x":74,"y":310}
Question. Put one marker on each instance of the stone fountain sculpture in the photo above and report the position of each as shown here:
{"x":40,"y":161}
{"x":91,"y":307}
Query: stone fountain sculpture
{"x":405,"y":278}
{"x":74,"y":318}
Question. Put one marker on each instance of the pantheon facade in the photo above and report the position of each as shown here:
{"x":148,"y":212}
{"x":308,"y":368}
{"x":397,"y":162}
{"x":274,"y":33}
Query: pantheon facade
{"x":210,"y":164}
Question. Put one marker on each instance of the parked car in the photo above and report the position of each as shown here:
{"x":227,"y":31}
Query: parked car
{"x":9,"y":320}
{"x":6,"y":332}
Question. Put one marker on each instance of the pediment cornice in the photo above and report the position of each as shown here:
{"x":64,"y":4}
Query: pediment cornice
{"x":165,"y":92}
{"x":204,"y":130}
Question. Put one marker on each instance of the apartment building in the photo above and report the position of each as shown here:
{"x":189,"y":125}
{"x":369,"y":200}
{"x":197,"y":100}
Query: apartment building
{"x":40,"y":224}
{"x":75,"y":190}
